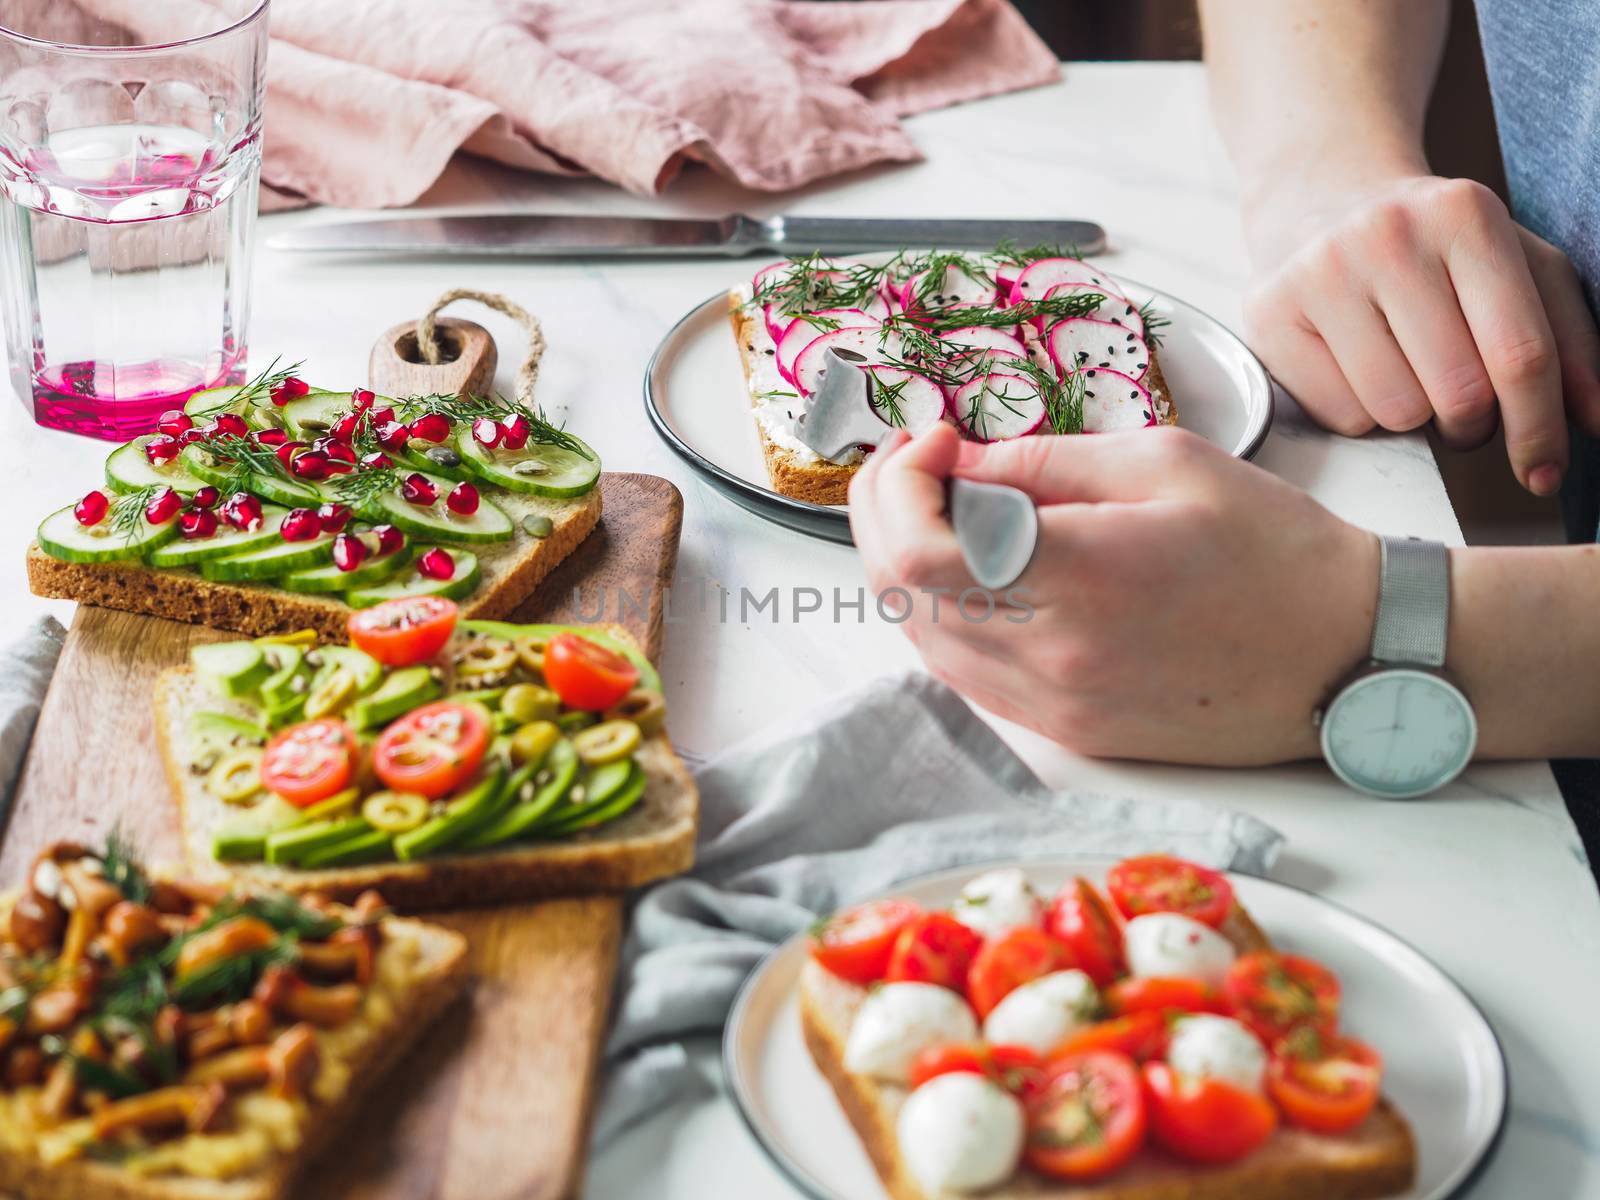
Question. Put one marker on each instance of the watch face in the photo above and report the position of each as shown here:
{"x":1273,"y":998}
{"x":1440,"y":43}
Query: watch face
{"x":1399,"y":733}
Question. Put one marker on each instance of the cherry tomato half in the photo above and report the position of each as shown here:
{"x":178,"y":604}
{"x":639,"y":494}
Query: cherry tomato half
{"x":1206,"y":1120}
{"x":1016,"y":1068}
{"x":432,"y":750}
{"x":1007,"y":962}
{"x":1080,"y":917}
{"x":1164,"y":993}
{"x":404,"y":632}
{"x":1088,"y":1119}
{"x":1325,"y":1084}
{"x":934,"y":948}
{"x":310,"y":761}
{"x":1160,"y":883}
{"x":585,"y":675}
{"x":1141,"y":1036}
{"x":856,"y":943}
{"x":1275,"y":994}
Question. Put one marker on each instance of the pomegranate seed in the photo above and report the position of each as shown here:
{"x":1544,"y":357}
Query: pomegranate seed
{"x":361,"y":399}
{"x":189,"y":437}
{"x":334,"y":449}
{"x":290,"y":389}
{"x":463,"y":499}
{"x":163,"y":506}
{"x":392,"y":435}
{"x":301,"y":525}
{"x":162,"y":449}
{"x":310,"y":465}
{"x":437,"y":564}
{"x":380,"y":416}
{"x":348,"y":551}
{"x":432,"y":427}
{"x":174,"y":421}
{"x":344,"y":429}
{"x":272,"y":437}
{"x":242,"y":511}
{"x":486,"y":431}
{"x":204,"y":498}
{"x":390,"y":539}
{"x":91,"y":510}
{"x":376,"y":461}
{"x":197,"y":523}
{"x":418,"y":490}
{"x":287,"y":451}
{"x":334,"y":517}
{"x":514,"y":435}
{"x":230,"y":423}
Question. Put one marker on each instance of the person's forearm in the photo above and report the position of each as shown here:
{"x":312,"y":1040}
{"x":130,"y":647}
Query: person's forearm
{"x":1304,"y":89}
{"x":1525,"y":646}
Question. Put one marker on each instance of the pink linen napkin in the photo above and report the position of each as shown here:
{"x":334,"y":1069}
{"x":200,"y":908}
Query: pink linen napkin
{"x":369,"y":99}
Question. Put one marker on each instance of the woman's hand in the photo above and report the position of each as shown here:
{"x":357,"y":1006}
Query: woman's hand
{"x":1184,"y":606}
{"x":1388,"y":302}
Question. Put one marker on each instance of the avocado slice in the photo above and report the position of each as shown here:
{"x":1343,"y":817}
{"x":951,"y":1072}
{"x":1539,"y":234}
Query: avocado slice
{"x":278,"y":688}
{"x":233,"y":668}
{"x":403,"y":690}
{"x":362,"y":666}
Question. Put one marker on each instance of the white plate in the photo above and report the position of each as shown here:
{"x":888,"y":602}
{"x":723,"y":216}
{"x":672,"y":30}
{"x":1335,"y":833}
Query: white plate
{"x":695,"y":395}
{"x":1444,"y":1067}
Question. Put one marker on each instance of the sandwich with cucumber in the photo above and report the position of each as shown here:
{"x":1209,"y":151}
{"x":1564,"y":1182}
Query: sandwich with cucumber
{"x":274,"y":505}
{"x":444,"y":762}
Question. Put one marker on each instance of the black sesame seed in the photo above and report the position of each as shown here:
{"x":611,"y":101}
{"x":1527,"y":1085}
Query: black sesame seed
{"x":1087,"y":392}
{"x":771,"y":351}
{"x":1130,"y":336}
{"x":1090,"y":374}
{"x":1133,"y":395}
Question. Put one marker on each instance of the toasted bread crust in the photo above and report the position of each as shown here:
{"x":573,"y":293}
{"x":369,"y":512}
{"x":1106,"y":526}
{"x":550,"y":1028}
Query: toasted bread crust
{"x":257,"y":609}
{"x":1375,"y":1160}
{"x":25,"y":1178}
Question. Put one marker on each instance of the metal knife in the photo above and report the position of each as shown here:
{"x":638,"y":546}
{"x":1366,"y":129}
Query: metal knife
{"x":997,"y":527}
{"x":510,"y":235}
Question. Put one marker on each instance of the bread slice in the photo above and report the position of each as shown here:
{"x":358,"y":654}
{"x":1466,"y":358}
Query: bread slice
{"x":511,"y":571}
{"x":806,"y":477}
{"x":1376,"y":1159}
{"x":436,"y":977}
{"x":655,"y":839}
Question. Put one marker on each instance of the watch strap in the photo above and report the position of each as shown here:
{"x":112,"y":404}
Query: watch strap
{"x":1413,"y":619}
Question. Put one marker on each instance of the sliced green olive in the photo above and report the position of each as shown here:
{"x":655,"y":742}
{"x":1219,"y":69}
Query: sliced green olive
{"x":395,"y":812}
{"x":533,"y":741}
{"x":607,"y":742}
{"x":332,"y":694}
{"x":485,"y":656}
{"x":644,"y":707}
{"x":335,"y":808}
{"x":298,"y":637}
{"x":237,"y":776}
{"x":524,"y":702}
{"x":530,"y":650}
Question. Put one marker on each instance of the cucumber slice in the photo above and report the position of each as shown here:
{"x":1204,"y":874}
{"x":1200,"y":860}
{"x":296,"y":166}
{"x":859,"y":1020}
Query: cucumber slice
{"x":233,"y":668}
{"x":438,"y":524}
{"x":227,"y":540}
{"x":271,"y":562}
{"x":565,"y":473}
{"x":331,"y":579}
{"x":128,"y":470}
{"x":60,"y":536}
{"x":319,"y":407}
{"x":418,"y":460}
{"x":463,"y":583}
{"x":269,"y":487}
{"x":213,"y":402}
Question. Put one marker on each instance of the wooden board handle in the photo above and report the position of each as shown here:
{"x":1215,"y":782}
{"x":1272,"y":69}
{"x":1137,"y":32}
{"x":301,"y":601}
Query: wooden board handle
{"x":396,"y":367}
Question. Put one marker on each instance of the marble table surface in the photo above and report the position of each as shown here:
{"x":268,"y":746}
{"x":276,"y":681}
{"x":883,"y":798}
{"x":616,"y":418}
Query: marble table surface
{"x":1488,"y":878}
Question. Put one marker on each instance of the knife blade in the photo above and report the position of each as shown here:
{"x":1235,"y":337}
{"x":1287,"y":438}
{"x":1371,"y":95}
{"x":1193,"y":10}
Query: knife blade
{"x":512,"y":235}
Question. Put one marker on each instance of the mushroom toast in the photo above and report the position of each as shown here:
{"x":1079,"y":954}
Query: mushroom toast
{"x":1149,"y":1046}
{"x":274,"y":506}
{"x":1001,"y":345}
{"x":444,"y":762}
{"x":169,"y":1040}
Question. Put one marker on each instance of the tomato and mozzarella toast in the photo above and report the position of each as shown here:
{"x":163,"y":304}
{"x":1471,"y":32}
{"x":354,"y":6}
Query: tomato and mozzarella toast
{"x":1001,"y":345}
{"x":1015,"y":1049}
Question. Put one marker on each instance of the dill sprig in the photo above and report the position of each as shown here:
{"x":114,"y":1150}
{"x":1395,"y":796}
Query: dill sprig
{"x":229,"y":980}
{"x":362,"y":489}
{"x":1153,"y":324}
{"x":121,"y":868}
{"x":888,"y":399}
{"x":258,"y":391}
{"x":463,"y":410}
{"x":1009,"y":253}
{"x":249,"y":458}
{"x":94,"y":1076}
{"x":127,"y":510}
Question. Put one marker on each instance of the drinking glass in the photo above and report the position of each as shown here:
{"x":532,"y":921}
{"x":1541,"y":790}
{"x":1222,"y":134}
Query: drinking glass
{"x":130,"y":152}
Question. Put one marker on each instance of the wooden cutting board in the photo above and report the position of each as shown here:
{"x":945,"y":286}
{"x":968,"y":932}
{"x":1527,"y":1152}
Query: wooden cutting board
{"x":494,"y":1104}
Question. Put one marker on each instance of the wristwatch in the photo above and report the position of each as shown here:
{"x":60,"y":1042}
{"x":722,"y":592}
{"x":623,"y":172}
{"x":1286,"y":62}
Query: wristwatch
{"x":1398,"y":727}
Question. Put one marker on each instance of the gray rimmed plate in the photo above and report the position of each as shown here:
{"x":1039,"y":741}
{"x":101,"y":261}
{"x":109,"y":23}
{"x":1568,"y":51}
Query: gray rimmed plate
{"x":1444,"y":1068}
{"x":695,"y":396}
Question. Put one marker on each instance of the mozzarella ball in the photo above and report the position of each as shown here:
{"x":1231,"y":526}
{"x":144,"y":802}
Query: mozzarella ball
{"x":1044,"y":1012}
{"x":898,"y":1021}
{"x":1172,"y":944}
{"x":997,"y":901}
{"x":1208,"y":1047}
{"x":961,"y":1133}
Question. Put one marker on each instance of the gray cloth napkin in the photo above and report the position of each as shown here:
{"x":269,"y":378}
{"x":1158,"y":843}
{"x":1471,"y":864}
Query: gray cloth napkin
{"x":902,"y":779}
{"x":26,"y":666}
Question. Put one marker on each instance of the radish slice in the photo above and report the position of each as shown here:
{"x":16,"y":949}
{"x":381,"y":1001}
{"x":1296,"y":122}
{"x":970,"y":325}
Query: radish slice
{"x":1112,"y":401}
{"x":919,"y":400}
{"x":954,"y":287}
{"x":995,"y":408}
{"x":877,"y":345}
{"x":1005,"y":275}
{"x":777,"y":319}
{"x":970,"y":362}
{"x":1039,"y":277}
{"x":1080,"y":342}
{"x":981,"y":337}
{"x":1115,"y":307}
{"x":804,"y":330}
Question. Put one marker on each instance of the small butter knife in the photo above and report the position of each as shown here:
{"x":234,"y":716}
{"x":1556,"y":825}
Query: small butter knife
{"x":997,"y":527}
